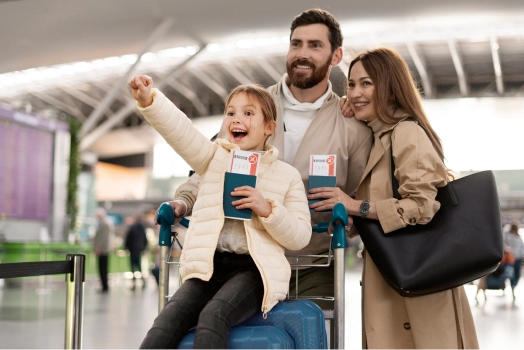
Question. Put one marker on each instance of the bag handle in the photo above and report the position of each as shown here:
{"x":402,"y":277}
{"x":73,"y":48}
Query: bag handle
{"x":394,"y":182}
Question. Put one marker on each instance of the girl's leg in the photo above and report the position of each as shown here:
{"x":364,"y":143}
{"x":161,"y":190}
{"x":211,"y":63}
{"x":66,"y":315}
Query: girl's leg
{"x":238,"y":299}
{"x":179,"y":315}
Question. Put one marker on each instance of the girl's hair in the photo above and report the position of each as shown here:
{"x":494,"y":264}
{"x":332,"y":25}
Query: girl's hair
{"x":395,"y":86}
{"x":256,"y":93}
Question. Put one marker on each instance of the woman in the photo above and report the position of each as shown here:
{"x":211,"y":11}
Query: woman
{"x":382,"y":93}
{"x":513,"y":240}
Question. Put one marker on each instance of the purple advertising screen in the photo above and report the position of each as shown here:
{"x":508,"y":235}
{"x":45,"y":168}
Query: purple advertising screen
{"x":26,"y":171}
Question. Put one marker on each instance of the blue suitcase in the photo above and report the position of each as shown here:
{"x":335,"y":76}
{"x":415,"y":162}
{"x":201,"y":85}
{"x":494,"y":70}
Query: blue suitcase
{"x":297,"y":324}
{"x":265,"y":337}
{"x":302,"y":320}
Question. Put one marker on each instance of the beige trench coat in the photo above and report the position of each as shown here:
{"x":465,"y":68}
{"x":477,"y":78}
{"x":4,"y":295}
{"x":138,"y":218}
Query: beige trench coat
{"x":440,"y":320}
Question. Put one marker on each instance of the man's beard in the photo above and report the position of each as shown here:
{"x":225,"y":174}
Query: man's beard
{"x":318,"y":74}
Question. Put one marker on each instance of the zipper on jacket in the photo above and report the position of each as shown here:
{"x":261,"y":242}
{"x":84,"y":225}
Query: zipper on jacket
{"x":265,"y":311}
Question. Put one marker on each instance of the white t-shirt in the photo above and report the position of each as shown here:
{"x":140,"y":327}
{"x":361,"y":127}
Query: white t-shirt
{"x":297,"y":119}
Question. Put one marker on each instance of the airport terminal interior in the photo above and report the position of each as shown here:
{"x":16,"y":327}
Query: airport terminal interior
{"x":72,"y":140}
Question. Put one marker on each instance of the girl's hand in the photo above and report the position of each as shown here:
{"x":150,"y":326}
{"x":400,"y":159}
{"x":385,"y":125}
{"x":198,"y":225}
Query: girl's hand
{"x":346,"y":108}
{"x":253,"y":200}
{"x":141,"y":86}
{"x":331,"y":196}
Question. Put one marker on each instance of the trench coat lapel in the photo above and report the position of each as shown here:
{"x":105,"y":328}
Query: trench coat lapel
{"x":377,"y":152}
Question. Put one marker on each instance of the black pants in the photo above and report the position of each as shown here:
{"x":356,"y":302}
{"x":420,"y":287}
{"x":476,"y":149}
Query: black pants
{"x":232,"y":295}
{"x":102,"y":270}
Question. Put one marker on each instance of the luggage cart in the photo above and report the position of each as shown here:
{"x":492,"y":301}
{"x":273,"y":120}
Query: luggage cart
{"x":168,"y":237}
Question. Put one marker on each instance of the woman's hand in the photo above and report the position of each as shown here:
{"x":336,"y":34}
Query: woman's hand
{"x":345,"y":107}
{"x":330,"y":196}
{"x":141,"y":86}
{"x":253,"y":200}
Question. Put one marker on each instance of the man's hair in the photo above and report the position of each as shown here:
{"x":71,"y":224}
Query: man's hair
{"x":258,"y":94}
{"x":319,"y":16}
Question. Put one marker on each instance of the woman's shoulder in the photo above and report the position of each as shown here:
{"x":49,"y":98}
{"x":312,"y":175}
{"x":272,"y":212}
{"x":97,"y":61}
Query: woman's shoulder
{"x":408,"y":131}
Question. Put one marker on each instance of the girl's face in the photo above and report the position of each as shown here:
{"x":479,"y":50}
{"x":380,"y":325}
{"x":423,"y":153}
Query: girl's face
{"x":360,"y":93}
{"x":245,"y":123}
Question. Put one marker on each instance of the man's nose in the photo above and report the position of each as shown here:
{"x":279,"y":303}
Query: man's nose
{"x":303,"y":52}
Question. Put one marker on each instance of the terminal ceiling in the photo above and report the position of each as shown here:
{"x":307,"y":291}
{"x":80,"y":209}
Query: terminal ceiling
{"x":71,"y":57}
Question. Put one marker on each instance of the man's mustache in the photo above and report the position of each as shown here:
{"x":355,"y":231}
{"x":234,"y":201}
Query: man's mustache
{"x":303,"y":62}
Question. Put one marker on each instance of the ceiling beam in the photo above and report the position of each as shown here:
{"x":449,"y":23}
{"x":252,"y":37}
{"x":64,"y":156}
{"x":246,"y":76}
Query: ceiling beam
{"x":130,"y":106}
{"x":269,"y":69}
{"x":459,"y":67}
{"x":88,"y":100}
{"x":75,"y":112}
{"x":108,"y":99}
{"x":191,"y":96}
{"x":236,"y":73}
{"x":211,"y":83}
{"x":422,"y":69}
{"x":495,"y":54}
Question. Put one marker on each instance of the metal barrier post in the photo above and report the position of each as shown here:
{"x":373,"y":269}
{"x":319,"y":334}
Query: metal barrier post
{"x":165,"y":218}
{"x":339,"y":220}
{"x":75,"y":301}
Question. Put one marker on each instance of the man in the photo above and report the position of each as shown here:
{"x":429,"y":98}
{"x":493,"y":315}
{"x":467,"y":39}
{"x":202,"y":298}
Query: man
{"x":309,"y":121}
{"x":136,"y":243}
{"x":102,"y":245}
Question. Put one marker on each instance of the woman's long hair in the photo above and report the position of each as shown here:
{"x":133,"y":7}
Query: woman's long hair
{"x":395,"y":86}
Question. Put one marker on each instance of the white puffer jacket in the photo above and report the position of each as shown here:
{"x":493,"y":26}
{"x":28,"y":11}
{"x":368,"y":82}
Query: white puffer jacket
{"x":288,"y":226}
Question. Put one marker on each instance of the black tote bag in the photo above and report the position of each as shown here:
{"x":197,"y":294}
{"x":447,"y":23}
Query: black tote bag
{"x":462,"y":242}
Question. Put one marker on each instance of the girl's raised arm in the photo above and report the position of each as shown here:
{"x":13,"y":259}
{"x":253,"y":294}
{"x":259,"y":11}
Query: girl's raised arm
{"x":141,"y":86}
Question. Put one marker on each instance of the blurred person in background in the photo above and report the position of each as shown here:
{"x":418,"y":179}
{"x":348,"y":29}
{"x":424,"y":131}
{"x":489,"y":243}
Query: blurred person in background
{"x":103,"y":245}
{"x":136,"y":244}
{"x":515,"y":244}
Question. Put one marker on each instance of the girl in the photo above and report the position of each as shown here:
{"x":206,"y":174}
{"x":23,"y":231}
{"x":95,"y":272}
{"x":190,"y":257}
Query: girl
{"x":382,"y":93}
{"x":229,"y":268}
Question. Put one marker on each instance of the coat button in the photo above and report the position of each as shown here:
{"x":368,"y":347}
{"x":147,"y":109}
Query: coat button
{"x":413,"y":221}
{"x":407,"y":325}
{"x":400,"y":211}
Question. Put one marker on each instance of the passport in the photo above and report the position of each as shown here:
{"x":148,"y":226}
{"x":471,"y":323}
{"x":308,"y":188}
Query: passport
{"x":316,"y":181}
{"x":232,"y":181}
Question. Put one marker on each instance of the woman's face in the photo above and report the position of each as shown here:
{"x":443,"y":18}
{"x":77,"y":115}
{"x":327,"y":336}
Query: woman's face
{"x":360,"y":93}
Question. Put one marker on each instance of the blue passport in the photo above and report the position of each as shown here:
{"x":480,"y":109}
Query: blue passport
{"x":316,"y":181}
{"x":232,"y":181}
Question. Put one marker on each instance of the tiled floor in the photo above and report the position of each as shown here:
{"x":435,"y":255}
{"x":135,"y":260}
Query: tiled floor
{"x":33,"y":315}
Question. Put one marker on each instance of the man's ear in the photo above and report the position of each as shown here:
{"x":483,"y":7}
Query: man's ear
{"x":269,"y":128}
{"x":337,"y":56}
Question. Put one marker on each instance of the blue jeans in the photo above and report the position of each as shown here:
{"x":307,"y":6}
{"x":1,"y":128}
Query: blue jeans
{"x":232,"y":295}
{"x":516,"y":273}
